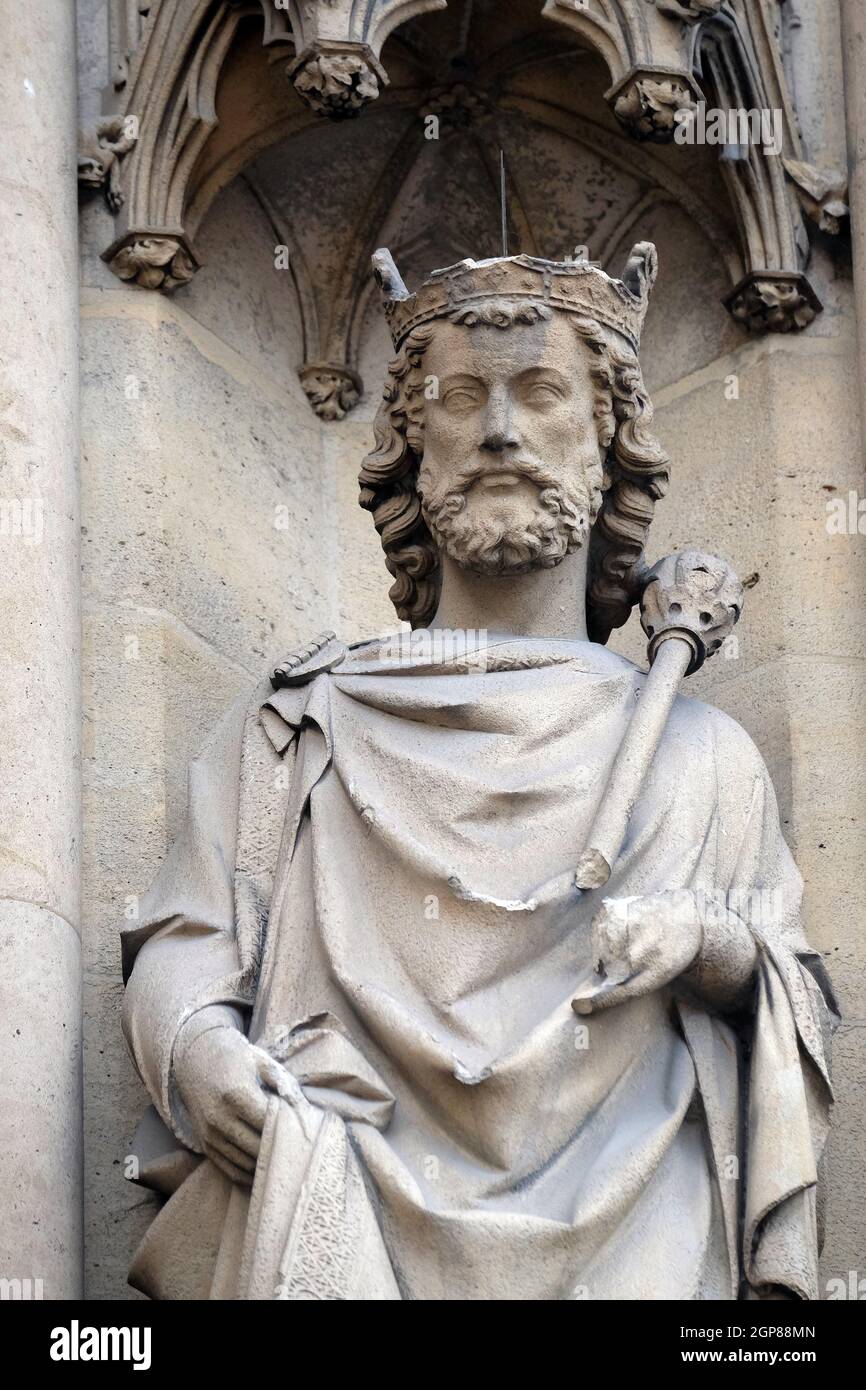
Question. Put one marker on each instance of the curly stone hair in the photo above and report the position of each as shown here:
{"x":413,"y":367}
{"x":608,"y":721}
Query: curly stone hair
{"x":635,"y":473}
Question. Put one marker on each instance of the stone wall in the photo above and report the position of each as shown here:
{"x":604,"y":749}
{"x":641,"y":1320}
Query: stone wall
{"x":208,"y":550}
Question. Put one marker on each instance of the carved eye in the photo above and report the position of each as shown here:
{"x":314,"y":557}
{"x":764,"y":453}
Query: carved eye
{"x":542,"y":393}
{"x":460,"y":398}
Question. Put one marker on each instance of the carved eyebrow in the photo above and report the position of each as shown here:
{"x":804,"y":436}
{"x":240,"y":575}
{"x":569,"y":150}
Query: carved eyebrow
{"x":460,"y":379}
{"x":532,"y":374}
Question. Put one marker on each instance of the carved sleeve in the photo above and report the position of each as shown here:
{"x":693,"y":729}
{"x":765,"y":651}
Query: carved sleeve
{"x":182,"y":955}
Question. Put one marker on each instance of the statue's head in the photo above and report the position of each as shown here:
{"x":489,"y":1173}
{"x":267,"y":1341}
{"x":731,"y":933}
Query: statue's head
{"x":515,"y":428}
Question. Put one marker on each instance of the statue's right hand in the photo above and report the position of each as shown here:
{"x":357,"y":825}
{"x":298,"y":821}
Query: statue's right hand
{"x":222,"y":1078}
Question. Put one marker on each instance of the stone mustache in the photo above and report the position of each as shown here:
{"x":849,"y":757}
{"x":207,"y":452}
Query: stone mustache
{"x":399,"y":1044}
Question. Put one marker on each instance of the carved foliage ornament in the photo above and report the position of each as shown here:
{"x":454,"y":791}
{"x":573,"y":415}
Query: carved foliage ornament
{"x":338,"y":42}
{"x":768,"y":303}
{"x":648,"y":108}
{"x":336,"y":84}
{"x":154,"y":262}
{"x":648,"y":51}
{"x":458,"y":105}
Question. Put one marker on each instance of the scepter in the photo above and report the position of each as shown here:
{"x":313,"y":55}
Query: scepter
{"x":689,"y":606}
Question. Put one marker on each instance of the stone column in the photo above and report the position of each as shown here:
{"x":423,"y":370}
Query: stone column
{"x":40,"y":704}
{"x":854,"y":54}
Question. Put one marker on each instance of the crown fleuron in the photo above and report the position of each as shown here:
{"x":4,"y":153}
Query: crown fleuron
{"x":577,"y":286}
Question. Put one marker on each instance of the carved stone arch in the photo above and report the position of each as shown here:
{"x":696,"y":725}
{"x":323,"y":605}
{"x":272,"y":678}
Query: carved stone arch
{"x":166,"y":91}
{"x":205,"y":83}
{"x":337,"y":361}
{"x":774,"y":293}
{"x":666,"y":57}
{"x":494,"y":74}
{"x":298,"y":268}
{"x":232,"y":148}
{"x":648,"y":47}
{"x":168,"y":58}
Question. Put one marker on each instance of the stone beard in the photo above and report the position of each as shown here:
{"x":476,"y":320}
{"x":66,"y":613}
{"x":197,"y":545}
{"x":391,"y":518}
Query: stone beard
{"x":538,"y":524}
{"x":358,"y":1098}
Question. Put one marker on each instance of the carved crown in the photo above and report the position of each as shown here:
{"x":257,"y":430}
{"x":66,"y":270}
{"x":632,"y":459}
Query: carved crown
{"x":577,"y":286}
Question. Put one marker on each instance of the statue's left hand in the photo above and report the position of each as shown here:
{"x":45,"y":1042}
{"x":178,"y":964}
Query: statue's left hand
{"x":639,"y":945}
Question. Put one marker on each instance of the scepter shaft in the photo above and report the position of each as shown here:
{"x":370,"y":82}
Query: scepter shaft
{"x":633,"y":761}
{"x":689,"y":605}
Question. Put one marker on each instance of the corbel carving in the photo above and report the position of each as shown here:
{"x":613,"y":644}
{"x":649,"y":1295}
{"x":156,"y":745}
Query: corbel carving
{"x":647,"y":106}
{"x":338,"y":44}
{"x":155,"y":262}
{"x":739,"y":64}
{"x":822,"y":193}
{"x":649,"y":52}
{"x":774,"y":302}
{"x":332,"y":308}
{"x":332,"y":388}
{"x":664,"y":56}
{"x":101,"y":147}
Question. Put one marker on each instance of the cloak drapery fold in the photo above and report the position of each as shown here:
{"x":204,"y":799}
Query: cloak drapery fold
{"x":355,"y":875}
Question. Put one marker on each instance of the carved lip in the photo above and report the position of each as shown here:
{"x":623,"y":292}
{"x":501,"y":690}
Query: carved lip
{"x":489,"y":481}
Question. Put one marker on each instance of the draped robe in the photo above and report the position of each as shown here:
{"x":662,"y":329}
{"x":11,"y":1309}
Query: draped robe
{"x":355,"y":878}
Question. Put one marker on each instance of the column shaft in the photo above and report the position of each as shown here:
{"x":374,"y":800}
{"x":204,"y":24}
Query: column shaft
{"x":40,"y":705}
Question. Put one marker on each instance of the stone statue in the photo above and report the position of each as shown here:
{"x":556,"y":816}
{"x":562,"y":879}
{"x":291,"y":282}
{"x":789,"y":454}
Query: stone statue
{"x":477,"y":971}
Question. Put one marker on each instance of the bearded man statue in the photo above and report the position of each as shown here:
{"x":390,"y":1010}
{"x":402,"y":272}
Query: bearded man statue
{"x":395,"y":1051}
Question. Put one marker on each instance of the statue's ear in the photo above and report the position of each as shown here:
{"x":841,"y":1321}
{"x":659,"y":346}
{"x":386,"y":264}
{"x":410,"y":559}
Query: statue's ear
{"x":641,"y":270}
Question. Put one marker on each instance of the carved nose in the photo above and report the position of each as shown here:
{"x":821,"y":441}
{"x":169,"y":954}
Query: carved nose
{"x":499,"y":429}
{"x":499,"y":440}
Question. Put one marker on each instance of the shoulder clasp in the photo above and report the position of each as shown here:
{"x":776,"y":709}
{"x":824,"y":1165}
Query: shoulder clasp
{"x":323,"y":653}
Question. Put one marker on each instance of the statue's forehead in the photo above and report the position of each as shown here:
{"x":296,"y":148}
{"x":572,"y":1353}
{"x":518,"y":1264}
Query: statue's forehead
{"x":487,"y":349}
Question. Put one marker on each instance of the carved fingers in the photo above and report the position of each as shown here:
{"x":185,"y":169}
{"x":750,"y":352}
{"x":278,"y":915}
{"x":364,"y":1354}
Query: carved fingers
{"x":639,"y":945}
{"x":224,"y":1082}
